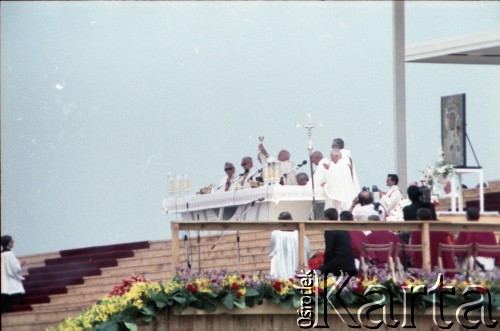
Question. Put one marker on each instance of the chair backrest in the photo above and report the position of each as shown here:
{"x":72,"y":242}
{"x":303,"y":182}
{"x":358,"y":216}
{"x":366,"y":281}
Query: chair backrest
{"x":485,"y":251}
{"x":405,"y":257}
{"x":454,"y":258}
{"x":379,"y":255}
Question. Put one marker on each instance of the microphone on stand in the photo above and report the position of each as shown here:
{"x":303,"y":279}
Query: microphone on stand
{"x":302,"y":164}
{"x":244,"y":172}
{"x":252,"y":203}
{"x":258,"y":172}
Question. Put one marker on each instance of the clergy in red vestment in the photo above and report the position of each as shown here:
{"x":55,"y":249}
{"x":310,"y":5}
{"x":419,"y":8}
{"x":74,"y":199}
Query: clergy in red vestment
{"x":357,"y":238}
{"x":384,"y":237}
{"x":485,"y":261}
{"x":436,"y":237}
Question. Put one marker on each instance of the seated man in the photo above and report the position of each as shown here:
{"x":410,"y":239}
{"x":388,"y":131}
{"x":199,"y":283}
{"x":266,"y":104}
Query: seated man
{"x":230,"y":180}
{"x":363,"y":207}
{"x":338,"y":251}
{"x":249,"y":172}
{"x":415,"y":196}
{"x":284,"y":250}
{"x":487,"y":260}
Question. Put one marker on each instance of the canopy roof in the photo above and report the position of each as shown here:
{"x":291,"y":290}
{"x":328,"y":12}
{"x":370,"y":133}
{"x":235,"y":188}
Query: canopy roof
{"x":481,"y":48}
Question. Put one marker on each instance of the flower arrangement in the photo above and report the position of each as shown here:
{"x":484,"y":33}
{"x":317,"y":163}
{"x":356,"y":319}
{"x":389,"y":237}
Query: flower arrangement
{"x":436,"y":173}
{"x":140,"y":299}
{"x":316,"y":261}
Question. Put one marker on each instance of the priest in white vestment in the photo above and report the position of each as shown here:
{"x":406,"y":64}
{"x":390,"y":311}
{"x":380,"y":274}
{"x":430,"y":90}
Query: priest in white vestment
{"x":339,"y":186}
{"x":390,"y":199}
{"x":284,"y":250}
{"x":230,"y":180}
{"x":338,"y":143}
{"x":287,"y":173}
{"x":319,"y":170}
{"x":249,"y":173}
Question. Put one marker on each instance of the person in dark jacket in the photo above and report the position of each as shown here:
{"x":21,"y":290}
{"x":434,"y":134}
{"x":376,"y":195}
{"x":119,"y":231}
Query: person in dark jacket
{"x":338,"y":251}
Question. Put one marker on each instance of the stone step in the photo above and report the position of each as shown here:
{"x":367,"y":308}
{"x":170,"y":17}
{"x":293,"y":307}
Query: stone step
{"x":93,"y":293}
{"x":36,"y":260}
{"x":37,"y":321}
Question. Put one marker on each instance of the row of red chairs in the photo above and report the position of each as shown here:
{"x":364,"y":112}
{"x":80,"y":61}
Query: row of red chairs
{"x":465,"y":257}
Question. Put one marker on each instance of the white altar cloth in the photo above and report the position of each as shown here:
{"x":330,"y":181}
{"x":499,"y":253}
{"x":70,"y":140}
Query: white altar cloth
{"x":262,"y":203}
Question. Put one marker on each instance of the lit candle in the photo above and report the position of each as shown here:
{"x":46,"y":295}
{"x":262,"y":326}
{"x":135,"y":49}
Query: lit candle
{"x":178,"y":183}
{"x":309,"y":120}
{"x":170,"y":184}
{"x":186,"y":183}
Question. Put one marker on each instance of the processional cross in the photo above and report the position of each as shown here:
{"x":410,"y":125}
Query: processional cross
{"x":309,"y":127}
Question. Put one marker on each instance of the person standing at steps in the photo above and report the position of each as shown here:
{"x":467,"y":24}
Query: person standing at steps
{"x":12,"y":278}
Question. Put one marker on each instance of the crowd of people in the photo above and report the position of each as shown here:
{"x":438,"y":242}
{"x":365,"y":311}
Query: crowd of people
{"x":344,"y":200}
{"x":343,"y":249}
{"x":336,"y":175}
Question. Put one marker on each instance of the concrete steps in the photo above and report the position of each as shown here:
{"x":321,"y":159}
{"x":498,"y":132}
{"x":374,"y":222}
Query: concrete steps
{"x":153,"y":263}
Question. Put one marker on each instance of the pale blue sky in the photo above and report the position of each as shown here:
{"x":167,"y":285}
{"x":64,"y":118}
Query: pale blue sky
{"x":102,"y":100}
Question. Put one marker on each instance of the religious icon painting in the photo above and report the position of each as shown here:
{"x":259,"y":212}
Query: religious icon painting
{"x":453,"y":129}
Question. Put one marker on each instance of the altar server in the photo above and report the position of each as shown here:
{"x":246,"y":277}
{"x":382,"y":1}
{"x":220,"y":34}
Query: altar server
{"x":284,"y":250}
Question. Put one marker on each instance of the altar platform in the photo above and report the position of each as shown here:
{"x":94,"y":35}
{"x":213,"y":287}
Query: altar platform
{"x":260,"y":203}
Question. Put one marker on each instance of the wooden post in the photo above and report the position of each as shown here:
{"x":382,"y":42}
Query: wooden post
{"x":175,"y":246}
{"x":302,"y":252}
{"x":426,"y":247}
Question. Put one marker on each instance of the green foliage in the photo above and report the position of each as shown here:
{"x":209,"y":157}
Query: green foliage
{"x":143,"y":300}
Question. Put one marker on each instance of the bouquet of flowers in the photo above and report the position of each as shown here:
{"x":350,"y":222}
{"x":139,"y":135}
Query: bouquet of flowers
{"x":436,"y":173}
{"x":316,"y":261}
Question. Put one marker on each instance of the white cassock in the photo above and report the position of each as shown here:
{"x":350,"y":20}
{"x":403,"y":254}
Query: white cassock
{"x":223,"y":181}
{"x":242,"y":181}
{"x":320,"y":173}
{"x":391,"y":199}
{"x":284,"y":253}
{"x":346,"y":155}
{"x":288,"y":173}
{"x":12,"y":278}
{"x":339,"y":186}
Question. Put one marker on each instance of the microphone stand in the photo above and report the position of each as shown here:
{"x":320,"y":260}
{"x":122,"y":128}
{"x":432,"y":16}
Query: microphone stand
{"x":186,"y":249}
{"x":199,"y":252}
{"x":312,"y":184}
{"x":250,"y":205}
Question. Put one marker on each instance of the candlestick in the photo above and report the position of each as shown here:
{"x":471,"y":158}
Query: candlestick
{"x":170,"y":184}
{"x":178,"y":183}
{"x":186,"y":183}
